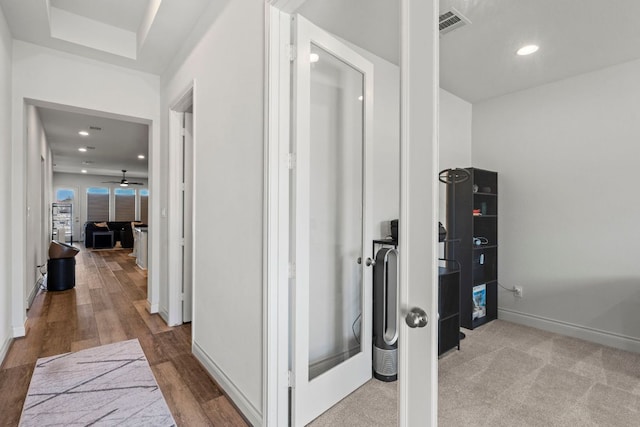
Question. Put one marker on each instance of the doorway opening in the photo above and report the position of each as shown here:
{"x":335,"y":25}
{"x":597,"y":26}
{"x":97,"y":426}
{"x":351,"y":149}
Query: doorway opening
{"x":53,"y":151}
{"x":406,"y":150}
{"x":181,"y":205}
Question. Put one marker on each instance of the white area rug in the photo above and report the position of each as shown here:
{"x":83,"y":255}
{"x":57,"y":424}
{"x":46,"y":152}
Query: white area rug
{"x":102,"y":386}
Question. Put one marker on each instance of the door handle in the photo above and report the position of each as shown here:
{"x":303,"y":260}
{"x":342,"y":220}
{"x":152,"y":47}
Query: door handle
{"x":417,"y":318}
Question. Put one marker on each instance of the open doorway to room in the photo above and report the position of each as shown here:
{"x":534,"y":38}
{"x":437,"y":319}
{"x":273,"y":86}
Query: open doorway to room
{"x":181,"y":202}
{"x":87,"y":172}
{"x":333,"y":90}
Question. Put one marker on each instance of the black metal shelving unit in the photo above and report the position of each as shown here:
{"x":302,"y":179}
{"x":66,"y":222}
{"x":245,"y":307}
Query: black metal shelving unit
{"x":472,"y":209}
{"x":61,"y":219}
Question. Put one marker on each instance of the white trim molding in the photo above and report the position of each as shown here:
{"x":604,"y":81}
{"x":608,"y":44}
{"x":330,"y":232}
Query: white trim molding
{"x":239,"y":399}
{"x":152,"y":308}
{"x":419,"y":86}
{"x":175,"y":267}
{"x":19,"y":331}
{"x":586,"y":333}
{"x":276,"y":219}
{"x":5,"y":349}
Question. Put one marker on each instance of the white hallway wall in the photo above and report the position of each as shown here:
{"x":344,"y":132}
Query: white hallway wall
{"x":39,"y":176}
{"x":567,"y":156}
{"x":51,"y":76}
{"x":5,"y":184}
{"x":455,"y":140}
{"x":228,"y":67}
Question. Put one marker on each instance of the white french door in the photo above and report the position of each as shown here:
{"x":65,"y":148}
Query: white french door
{"x":331,"y":230}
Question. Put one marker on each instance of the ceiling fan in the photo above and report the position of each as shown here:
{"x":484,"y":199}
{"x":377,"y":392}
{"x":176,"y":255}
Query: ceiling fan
{"x":124,"y":182}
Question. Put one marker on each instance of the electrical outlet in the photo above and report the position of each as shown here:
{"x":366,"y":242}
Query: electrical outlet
{"x":517,"y":291}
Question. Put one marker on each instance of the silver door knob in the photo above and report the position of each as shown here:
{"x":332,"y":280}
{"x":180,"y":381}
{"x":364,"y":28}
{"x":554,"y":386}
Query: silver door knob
{"x":417,"y":318}
{"x":369,"y":262}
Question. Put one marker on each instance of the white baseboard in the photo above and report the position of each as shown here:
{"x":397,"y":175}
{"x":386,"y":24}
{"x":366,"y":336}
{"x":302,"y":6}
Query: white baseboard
{"x":165,"y":315}
{"x":5,"y":348}
{"x":19,"y":331}
{"x":32,"y":295}
{"x":572,"y":330}
{"x":252,"y":414}
{"x":153,"y":308}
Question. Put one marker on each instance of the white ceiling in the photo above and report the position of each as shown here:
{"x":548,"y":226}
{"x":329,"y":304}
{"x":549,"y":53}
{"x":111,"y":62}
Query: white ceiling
{"x":124,"y":14}
{"x":478,"y":61}
{"x":140,"y":34}
{"x":100,"y":29}
{"x":116,"y":146}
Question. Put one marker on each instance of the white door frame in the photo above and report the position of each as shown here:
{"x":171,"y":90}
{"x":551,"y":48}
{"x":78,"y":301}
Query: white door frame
{"x":414,"y":14}
{"x":419,"y":88}
{"x":173,"y":316}
{"x":276,"y":218}
{"x":18,"y":209}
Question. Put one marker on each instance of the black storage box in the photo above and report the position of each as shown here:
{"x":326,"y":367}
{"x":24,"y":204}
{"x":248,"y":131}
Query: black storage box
{"x":61,"y":267}
{"x":61,"y":274}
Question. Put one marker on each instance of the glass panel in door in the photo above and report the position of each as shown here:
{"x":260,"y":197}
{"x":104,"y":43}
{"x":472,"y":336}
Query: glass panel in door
{"x":332,"y":309}
{"x":335,"y":211}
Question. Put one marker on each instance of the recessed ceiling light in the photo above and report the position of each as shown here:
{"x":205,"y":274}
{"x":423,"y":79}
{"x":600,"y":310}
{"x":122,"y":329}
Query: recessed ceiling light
{"x":141,"y":156}
{"x":83,"y":149}
{"x":83,"y":171}
{"x":314,"y":57}
{"x":83,"y":133}
{"x":527,"y":50}
{"x":360,"y":98}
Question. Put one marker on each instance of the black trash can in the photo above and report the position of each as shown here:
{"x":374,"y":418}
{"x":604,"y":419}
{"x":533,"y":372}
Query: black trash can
{"x":61,"y":267}
{"x":61,"y":274}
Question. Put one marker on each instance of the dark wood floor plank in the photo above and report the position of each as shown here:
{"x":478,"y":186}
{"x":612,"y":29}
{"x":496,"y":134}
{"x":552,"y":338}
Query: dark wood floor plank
{"x":83,"y":295}
{"x":153,"y":350}
{"x":183,"y":405}
{"x":14,"y":383}
{"x":172,"y":345}
{"x":100,"y":300}
{"x":57,"y":338}
{"x":196,"y":378}
{"x":222,"y":413}
{"x":155,"y":323}
{"x":126,"y":284}
{"x":61,"y":303}
{"x":86,"y":327}
{"x":110,"y":328}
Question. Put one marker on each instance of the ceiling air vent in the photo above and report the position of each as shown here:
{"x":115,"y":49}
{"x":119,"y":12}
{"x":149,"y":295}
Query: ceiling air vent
{"x":452,"y":20}
{"x":99,"y":128}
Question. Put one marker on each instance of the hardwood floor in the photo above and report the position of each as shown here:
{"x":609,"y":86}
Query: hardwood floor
{"x":108,"y":305}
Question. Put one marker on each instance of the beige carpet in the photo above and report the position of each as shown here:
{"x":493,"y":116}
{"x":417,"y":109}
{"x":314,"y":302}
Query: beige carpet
{"x":511,"y":375}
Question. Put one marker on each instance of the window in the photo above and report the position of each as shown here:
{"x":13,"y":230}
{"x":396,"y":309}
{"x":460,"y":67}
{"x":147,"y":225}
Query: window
{"x":144,"y":205}
{"x":97,"y":204}
{"x":125,"y":204}
{"x":65,"y":195}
